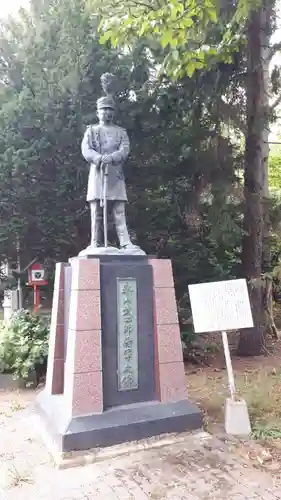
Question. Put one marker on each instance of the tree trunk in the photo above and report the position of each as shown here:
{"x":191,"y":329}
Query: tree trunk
{"x":252,"y":339}
{"x":266,"y":252}
{"x":265,"y":55}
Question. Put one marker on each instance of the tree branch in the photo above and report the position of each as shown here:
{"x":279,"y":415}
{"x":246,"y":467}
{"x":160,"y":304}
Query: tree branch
{"x":143,"y":4}
{"x":276,"y":102}
{"x":273,"y":50}
{"x":230,"y":111}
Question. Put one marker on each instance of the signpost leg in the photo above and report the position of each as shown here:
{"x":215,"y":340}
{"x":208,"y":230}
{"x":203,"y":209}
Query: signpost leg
{"x":19,"y":287}
{"x":230,"y":375}
{"x":36,"y":298}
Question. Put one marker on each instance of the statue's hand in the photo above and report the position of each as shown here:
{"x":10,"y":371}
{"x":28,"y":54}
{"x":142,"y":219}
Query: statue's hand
{"x":106,"y":160}
{"x":99,"y":164}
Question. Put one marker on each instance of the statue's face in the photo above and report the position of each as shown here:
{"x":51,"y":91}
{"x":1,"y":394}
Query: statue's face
{"x":106,"y":115}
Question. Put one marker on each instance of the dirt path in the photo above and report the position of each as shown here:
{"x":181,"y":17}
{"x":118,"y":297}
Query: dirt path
{"x":199,"y":468}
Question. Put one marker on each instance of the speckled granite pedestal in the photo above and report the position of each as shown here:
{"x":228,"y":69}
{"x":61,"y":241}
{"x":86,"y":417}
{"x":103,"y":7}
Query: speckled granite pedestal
{"x":115,"y":368}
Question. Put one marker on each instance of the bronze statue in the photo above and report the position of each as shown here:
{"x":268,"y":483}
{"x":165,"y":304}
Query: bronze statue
{"x":106,"y":147}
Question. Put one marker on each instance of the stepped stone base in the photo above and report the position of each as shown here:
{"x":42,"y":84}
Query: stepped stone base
{"x":115,"y":368}
{"x":119,"y":425}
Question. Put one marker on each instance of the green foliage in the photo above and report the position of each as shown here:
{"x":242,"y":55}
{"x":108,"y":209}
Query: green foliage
{"x":182,"y":172}
{"x":272,"y":206}
{"x":274,"y":171}
{"x":24,"y":343}
{"x":265,"y":432}
{"x":180,"y":28}
{"x":52,"y":62}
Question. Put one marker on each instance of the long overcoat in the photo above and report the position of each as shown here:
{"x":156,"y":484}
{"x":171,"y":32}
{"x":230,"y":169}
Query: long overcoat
{"x":109,"y":140}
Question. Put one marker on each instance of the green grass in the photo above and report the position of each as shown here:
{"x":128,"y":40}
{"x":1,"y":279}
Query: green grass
{"x":260,"y":388}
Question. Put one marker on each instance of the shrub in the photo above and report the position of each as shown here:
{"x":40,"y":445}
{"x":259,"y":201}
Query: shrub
{"x":24,"y":343}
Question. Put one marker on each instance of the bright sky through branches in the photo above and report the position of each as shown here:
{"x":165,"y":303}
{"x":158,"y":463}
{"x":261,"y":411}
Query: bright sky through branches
{"x":11,"y":6}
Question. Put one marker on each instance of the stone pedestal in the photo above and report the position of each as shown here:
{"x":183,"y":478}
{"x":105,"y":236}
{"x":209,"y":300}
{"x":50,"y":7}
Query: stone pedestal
{"x":236,"y":418}
{"x":10,"y":304}
{"x":115,"y":367}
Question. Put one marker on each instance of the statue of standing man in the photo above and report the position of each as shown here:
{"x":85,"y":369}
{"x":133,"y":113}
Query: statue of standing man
{"x":106,"y":147}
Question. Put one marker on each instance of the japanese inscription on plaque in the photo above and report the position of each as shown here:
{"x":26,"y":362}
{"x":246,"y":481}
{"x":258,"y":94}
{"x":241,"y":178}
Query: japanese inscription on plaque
{"x":127,"y":325}
{"x":220,"y":306}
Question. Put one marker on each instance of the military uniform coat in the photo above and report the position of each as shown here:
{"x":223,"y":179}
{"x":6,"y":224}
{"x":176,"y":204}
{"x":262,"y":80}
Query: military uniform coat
{"x":106,"y":140}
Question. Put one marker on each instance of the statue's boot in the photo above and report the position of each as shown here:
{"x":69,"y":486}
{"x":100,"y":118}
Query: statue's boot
{"x":120,"y":224}
{"x":96,"y":221}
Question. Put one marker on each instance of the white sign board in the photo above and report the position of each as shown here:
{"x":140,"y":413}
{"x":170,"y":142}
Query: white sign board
{"x":37,"y":275}
{"x":220,"y":306}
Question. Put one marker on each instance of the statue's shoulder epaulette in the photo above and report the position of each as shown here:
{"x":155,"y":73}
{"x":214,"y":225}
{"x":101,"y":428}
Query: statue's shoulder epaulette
{"x":121,"y":129}
{"x":92,"y":127}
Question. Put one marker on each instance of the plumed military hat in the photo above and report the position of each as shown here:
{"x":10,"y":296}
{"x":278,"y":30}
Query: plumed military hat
{"x":108,"y":82}
{"x":105,"y":102}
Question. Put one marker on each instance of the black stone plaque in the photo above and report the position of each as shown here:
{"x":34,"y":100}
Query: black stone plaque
{"x":127,"y":331}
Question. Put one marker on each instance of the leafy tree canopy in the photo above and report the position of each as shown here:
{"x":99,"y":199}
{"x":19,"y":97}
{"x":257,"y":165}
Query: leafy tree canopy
{"x":192,"y":34}
{"x":182,"y":170}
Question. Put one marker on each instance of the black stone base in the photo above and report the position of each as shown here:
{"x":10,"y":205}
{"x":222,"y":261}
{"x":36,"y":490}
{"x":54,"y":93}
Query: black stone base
{"x":115,"y":426}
